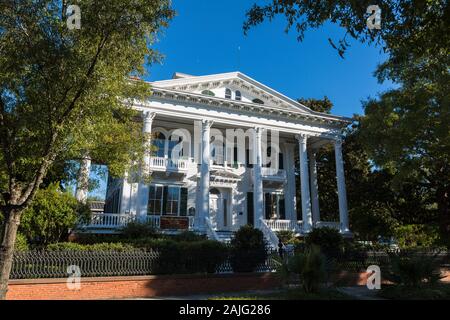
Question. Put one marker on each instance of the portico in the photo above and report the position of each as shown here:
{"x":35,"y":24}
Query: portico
{"x":224,"y":155}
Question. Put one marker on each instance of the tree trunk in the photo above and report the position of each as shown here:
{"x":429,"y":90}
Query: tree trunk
{"x":9,"y":231}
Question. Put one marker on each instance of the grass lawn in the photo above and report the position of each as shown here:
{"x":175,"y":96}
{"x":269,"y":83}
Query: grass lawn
{"x":292,"y":294}
{"x":424,"y":292}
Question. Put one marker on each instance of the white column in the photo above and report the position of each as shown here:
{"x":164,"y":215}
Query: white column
{"x":314,"y":186}
{"x":342,"y":192}
{"x":257,"y":178}
{"x":304,"y":183}
{"x":290,"y":199}
{"x":204,"y":174}
{"x":143,"y":188}
{"x":81,"y":193}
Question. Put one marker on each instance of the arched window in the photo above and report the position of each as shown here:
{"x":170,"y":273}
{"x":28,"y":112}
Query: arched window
{"x":158,"y":143}
{"x":173,"y":141}
{"x":227,"y":93}
{"x":258,"y":101}
{"x":208,"y":93}
{"x":238,"y":95}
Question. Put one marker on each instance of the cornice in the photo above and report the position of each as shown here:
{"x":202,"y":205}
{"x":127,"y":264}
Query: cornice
{"x":254,"y":108}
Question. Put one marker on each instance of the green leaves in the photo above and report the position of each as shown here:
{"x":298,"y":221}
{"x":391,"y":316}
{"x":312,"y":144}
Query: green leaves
{"x":64,"y":93}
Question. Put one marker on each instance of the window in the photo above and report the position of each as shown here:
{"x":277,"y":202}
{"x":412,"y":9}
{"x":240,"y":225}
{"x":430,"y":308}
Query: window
{"x":158,"y":142}
{"x":238,"y":95}
{"x":167,"y":200}
{"x":227,"y":93}
{"x":208,"y":93}
{"x":155,"y":200}
{"x":173,"y":201}
{"x":258,"y":101}
{"x":274,"y":206}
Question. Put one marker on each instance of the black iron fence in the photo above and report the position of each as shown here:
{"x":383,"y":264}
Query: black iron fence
{"x":59,"y":264}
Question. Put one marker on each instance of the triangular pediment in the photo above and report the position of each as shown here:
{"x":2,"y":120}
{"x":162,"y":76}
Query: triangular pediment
{"x":232,"y":86}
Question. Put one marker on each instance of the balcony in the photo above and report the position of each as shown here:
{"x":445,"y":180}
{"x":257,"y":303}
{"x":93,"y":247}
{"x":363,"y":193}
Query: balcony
{"x":162,"y":164}
{"x":271,"y":175}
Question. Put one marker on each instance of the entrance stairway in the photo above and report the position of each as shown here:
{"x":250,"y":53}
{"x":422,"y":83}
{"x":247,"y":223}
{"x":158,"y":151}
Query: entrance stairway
{"x":224,"y":235}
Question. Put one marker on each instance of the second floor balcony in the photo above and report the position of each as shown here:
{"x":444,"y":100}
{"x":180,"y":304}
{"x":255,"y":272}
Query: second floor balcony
{"x":163,"y":164}
{"x":271,"y":174}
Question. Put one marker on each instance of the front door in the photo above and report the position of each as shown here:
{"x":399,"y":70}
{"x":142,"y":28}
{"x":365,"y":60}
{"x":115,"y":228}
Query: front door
{"x":218,"y":209}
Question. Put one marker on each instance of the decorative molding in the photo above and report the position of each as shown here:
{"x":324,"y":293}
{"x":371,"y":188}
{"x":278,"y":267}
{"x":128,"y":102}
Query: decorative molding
{"x":254,"y":108}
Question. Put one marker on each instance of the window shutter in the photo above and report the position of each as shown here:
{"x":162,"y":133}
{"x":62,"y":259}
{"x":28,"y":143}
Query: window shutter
{"x":280,"y":161}
{"x":281,"y":204}
{"x":165,"y":192}
{"x":268,"y":205}
{"x":250,"y":208}
{"x":183,"y":201}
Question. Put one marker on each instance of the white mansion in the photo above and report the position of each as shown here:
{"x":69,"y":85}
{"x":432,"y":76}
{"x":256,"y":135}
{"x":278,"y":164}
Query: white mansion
{"x":223,"y":155}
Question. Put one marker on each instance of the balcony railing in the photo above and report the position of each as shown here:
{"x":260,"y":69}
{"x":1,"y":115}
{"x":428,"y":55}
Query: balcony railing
{"x":271,"y":174}
{"x":282,"y":225}
{"x":166,"y":164}
{"x":108,"y":221}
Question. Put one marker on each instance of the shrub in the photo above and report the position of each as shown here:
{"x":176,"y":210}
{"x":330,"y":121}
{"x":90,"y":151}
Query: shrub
{"x":50,"y":216}
{"x":21,"y":243}
{"x":288,"y":237}
{"x":329,"y":240}
{"x":134,"y":230}
{"x":413,"y":268}
{"x":310,"y":266}
{"x":248,"y":249}
{"x":71,"y":246}
{"x":416,"y":235}
{"x":175,"y":257}
{"x":188,"y":236}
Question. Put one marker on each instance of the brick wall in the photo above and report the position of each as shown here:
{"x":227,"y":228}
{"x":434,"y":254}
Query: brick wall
{"x":153,"y":286}
{"x":138,"y":286}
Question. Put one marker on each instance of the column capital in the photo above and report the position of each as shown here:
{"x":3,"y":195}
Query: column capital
{"x":301,"y":137}
{"x":148,"y":116}
{"x":338,"y":142}
{"x":207,"y":123}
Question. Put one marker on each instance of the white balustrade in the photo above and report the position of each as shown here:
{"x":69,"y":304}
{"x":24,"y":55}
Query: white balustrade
{"x":269,"y":234}
{"x":168,"y":164}
{"x":154,"y":221}
{"x":109,"y":220}
{"x":281,"y":225}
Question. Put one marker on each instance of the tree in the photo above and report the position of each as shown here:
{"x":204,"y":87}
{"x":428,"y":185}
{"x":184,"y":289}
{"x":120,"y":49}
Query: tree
{"x":405,"y":130}
{"x":409,"y":28}
{"x":65,"y":93}
{"x":50,"y":216}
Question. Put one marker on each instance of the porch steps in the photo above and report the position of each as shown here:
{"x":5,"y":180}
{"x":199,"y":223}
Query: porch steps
{"x":224,"y":235}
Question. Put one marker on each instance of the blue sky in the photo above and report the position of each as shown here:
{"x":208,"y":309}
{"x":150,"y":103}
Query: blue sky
{"x":205,"y":37}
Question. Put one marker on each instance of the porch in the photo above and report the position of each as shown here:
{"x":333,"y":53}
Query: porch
{"x":114,"y":222}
